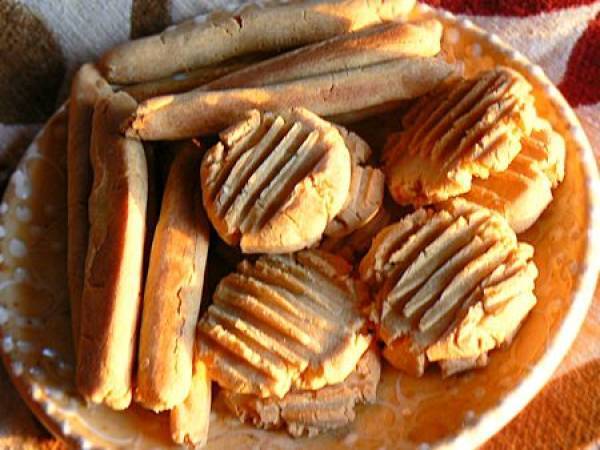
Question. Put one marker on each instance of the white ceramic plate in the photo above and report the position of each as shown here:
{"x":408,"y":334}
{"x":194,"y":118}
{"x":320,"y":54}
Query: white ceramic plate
{"x":460,"y":412}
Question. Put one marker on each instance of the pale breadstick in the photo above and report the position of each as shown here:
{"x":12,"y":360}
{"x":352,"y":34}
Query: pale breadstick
{"x":190,"y":420}
{"x":186,"y":81}
{"x":198,"y":113}
{"x":348,"y":51}
{"x":153,"y":205}
{"x":249,"y":30}
{"x":173,"y":289}
{"x":88,"y":86}
{"x":113,"y":272}
{"x":369,"y":46}
{"x":366,"y":113}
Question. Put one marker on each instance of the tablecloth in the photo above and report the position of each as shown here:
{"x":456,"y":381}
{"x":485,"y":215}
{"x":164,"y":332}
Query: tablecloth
{"x":43,"y":42}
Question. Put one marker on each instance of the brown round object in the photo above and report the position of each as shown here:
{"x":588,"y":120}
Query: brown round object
{"x":275,"y":180}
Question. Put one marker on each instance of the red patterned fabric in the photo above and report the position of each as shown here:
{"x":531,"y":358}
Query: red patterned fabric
{"x":505,"y":8}
{"x":581,"y":82}
{"x":562,"y":36}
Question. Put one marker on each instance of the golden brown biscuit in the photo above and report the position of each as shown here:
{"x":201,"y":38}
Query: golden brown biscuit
{"x":312,"y":412}
{"x":275,"y":180}
{"x":87,"y":87}
{"x":466,"y":129}
{"x":451,"y":286}
{"x":523,"y":191}
{"x":547,"y":148}
{"x":189,"y":421}
{"x":113,"y":272}
{"x":226,"y":35}
{"x":199,"y":112}
{"x":285,"y":322}
{"x":347,"y":51}
{"x":354,"y":245}
{"x":367,"y":185}
{"x":173,"y":290}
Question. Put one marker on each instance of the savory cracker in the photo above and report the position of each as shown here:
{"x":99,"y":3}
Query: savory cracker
{"x":451,"y":286}
{"x":275,"y":180}
{"x":284,"y":322}
{"x":468,"y":128}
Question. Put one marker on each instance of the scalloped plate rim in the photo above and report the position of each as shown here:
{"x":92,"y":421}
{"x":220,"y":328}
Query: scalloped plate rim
{"x":495,"y":418}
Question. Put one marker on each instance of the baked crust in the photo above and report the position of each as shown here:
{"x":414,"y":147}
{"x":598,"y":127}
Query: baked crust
{"x":347,"y":51}
{"x":354,"y":245}
{"x":173,"y":290}
{"x":196,"y":113}
{"x":190,"y":80}
{"x":285,"y":322}
{"x":189,"y":421}
{"x":465,"y":129}
{"x":88,"y":87}
{"x":523,"y":191}
{"x":312,"y":412}
{"x":227,"y":35}
{"x":367,"y":185}
{"x":113,"y":274}
{"x":451,"y":286}
{"x":275,"y":180}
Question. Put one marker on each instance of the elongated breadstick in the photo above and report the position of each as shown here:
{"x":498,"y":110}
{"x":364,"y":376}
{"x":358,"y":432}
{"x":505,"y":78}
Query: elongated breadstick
{"x":372,"y":45}
{"x":154,"y":197}
{"x":113,"y":272}
{"x":173,"y":288}
{"x":249,"y":30}
{"x":198,"y":112}
{"x":348,"y":51}
{"x":186,"y":81}
{"x":190,"y":419}
{"x":88,"y":86}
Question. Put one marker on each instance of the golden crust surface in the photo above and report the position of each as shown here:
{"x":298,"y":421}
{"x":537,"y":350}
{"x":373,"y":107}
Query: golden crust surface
{"x":467,"y":128}
{"x":275,"y":180}
{"x":523,"y":191}
{"x":173,"y":288}
{"x":284,"y":322}
{"x":303,"y":412}
{"x":367,"y":185}
{"x":365,"y":47}
{"x":250,"y":29}
{"x":356,"y":244}
{"x":114,"y":263}
{"x":451,"y":286}
{"x":87,"y":88}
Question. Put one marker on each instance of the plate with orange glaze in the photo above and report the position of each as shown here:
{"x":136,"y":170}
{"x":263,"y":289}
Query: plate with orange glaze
{"x":403,"y":223}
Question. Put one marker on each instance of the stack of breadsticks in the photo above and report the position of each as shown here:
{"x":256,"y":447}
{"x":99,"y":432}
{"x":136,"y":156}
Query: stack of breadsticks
{"x":289,"y":337}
